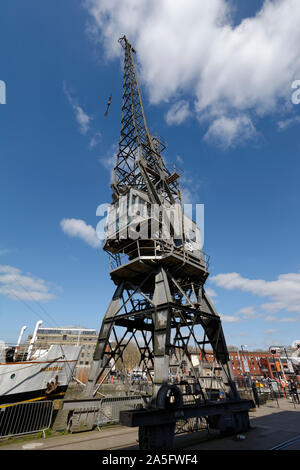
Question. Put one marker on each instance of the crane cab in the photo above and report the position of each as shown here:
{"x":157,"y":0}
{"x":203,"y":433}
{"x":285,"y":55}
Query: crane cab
{"x":132,"y":217}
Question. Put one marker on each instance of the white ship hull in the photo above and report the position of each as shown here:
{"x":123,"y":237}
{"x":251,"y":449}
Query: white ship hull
{"x":46,"y":377}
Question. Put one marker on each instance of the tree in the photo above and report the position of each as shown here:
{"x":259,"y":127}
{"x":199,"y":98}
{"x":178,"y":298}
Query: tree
{"x":131,"y":357}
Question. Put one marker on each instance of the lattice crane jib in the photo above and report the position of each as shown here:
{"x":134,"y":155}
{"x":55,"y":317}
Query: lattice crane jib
{"x":159,"y":269}
{"x":139,"y":164}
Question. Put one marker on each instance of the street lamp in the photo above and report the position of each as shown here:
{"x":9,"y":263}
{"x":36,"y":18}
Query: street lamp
{"x":245,"y":362}
{"x":239,"y":359}
{"x":240,"y":367}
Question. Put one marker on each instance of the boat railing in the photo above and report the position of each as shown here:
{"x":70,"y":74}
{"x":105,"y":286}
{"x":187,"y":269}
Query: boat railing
{"x":19,"y":353}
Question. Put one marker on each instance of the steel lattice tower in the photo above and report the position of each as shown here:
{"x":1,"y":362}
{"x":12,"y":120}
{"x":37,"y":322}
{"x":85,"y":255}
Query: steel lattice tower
{"x":160,"y":302}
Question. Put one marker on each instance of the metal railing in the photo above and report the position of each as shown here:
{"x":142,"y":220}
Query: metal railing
{"x":111,"y":407}
{"x":106,"y":412}
{"x":264,"y":392}
{"x":156,"y":250}
{"x":25,"y":418}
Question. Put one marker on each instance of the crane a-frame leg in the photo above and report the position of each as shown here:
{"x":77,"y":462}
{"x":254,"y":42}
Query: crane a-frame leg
{"x":134,"y":313}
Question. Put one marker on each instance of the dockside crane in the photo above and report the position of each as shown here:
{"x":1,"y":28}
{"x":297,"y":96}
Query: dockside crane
{"x":160,"y":303}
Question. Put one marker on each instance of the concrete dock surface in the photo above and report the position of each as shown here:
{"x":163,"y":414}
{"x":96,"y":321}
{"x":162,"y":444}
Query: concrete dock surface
{"x":273,"y":424}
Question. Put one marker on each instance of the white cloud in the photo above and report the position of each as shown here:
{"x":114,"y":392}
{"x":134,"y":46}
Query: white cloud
{"x":4,"y":251}
{"x":110,"y":159}
{"x":229,"y":132}
{"x":78,"y":228}
{"x":193,"y":48}
{"x":284,"y":293}
{"x":247,"y":312}
{"x":286,"y":123}
{"x":229,"y":318}
{"x":187,"y":195}
{"x":95,"y":140}
{"x":178,"y":113}
{"x":281,"y":320}
{"x":82,"y":118}
{"x":210,"y":292}
{"x":179,"y":160}
{"x":271,"y":331}
{"x":190,"y":187}
{"x":270,"y":318}
{"x":288,"y":320}
{"x":17,"y":285}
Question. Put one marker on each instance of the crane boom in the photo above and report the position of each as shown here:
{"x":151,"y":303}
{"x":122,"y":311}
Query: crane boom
{"x":139,"y":163}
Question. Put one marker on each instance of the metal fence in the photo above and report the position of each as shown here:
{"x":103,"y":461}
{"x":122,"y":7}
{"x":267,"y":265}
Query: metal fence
{"x":108,"y":411}
{"x":111,"y":407}
{"x":265,"y":392}
{"x":25,"y":418}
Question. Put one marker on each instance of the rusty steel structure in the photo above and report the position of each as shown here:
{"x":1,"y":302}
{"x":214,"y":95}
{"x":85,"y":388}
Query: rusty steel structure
{"x":160,"y":303}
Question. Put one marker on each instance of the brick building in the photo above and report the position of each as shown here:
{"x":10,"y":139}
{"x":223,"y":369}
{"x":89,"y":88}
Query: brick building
{"x":258,"y":364}
{"x":253,"y":364}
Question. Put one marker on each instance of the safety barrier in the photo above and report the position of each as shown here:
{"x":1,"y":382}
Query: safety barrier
{"x":83,"y":419}
{"x":25,"y":418}
{"x":111,"y":407}
{"x":107,"y":411}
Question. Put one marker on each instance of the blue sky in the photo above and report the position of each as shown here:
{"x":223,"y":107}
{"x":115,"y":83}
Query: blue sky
{"x":216,"y":84}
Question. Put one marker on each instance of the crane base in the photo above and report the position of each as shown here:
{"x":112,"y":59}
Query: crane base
{"x":157,"y":426}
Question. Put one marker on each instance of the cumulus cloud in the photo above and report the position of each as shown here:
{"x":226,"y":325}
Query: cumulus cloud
{"x":4,"y":251}
{"x":179,"y":160}
{"x":229,"y":132}
{"x":210,"y":292}
{"x":81,"y":117}
{"x":178,"y":113}
{"x":79,"y":228}
{"x":95,"y":140}
{"x":281,"y":320}
{"x":286,"y":123}
{"x":15,"y":284}
{"x":283,"y":293}
{"x":109,"y":159}
{"x":190,"y":186}
{"x":193,"y":47}
{"x":229,"y":318}
{"x":247,"y":312}
{"x":271,"y":331}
